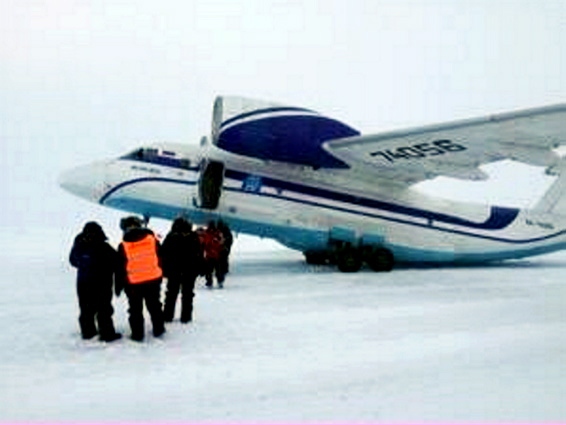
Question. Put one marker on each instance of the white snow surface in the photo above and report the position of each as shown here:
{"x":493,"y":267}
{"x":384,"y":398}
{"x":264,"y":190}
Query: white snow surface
{"x":289,"y":342}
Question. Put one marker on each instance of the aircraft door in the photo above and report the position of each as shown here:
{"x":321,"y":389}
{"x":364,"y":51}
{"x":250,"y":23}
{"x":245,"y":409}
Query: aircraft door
{"x":210,"y":184}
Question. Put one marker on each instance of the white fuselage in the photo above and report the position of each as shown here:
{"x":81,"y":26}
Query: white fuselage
{"x":309,"y":210}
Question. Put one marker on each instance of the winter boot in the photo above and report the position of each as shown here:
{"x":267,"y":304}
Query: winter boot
{"x":169,"y":309}
{"x":137,"y":328}
{"x":136,"y":337}
{"x":111,"y":337}
{"x":88,"y":328}
{"x":89,"y":335}
{"x":158,"y":332}
{"x":187,"y":315}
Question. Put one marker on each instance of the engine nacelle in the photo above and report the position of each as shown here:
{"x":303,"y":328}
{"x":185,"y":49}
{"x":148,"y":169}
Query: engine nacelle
{"x":275,"y":132}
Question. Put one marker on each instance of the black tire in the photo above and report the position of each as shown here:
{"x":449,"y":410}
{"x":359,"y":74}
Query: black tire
{"x":349,"y":260}
{"x":381,"y":260}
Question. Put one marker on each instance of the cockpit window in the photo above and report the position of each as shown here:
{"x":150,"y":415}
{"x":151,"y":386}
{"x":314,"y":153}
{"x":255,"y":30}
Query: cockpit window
{"x":160,"y":157}
{"x":141,"y":154}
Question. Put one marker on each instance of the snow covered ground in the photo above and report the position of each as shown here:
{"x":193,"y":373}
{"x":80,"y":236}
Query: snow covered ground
{"x":287,"y":342}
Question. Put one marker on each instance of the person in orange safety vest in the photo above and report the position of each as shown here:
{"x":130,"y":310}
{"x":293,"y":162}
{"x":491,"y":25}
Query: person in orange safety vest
{"x":140,"y":276}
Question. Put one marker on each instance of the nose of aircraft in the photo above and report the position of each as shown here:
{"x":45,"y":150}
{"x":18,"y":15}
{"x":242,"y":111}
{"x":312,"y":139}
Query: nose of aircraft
{"x":85,"y":181}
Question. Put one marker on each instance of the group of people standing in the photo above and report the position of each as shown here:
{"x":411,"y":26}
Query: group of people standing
{"x":138,"y":268}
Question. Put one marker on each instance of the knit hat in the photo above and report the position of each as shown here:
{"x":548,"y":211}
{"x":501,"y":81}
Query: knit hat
{"x":131,"y":222}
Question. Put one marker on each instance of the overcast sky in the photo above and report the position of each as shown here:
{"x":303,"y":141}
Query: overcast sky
{"x":84,"y":80}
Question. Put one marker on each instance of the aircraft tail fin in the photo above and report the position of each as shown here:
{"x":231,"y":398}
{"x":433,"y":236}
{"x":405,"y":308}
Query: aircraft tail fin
{"x":554,"y":199}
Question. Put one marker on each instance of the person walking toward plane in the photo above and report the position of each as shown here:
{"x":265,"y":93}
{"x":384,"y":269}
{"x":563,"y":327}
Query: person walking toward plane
{"x":228,"y":240}
{"x":212,"y":241}
{"x":96,"y":262}
{"x":140,"y":275}
{"x":182,"y":259}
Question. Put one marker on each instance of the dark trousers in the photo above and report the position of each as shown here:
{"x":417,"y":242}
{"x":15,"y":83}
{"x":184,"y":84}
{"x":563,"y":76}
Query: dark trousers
{"x":185,"y":283}
{"x":214,"y":267}
{"x":150,"y":293}
{"x":223,"y":266}
{"x":95,"y":304}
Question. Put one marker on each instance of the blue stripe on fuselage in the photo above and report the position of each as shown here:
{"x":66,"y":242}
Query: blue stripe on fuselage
{"x":142,"y":180}
{"x":421,"y":213}
{"x":499,"y":218}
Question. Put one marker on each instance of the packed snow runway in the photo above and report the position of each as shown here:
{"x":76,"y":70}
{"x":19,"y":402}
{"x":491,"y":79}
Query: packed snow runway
{"x":288,"y":342}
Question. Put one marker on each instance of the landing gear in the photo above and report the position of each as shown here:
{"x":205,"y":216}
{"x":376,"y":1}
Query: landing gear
{"x":380,"y":260}
{"x":348,"y":259}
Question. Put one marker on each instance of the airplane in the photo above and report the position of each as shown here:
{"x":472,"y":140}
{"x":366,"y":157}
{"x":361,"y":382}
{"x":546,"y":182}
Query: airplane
{"x":317,"y":185}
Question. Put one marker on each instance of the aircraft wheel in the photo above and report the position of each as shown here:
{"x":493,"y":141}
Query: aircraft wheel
{"x":316,"y":257}
{"x":381,"y":260}
{"x":349,"y":260}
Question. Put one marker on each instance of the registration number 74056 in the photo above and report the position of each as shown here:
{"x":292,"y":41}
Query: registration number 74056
{"x":419,"y":150}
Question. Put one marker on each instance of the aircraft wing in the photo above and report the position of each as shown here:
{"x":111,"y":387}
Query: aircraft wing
{"x":457,"y":149}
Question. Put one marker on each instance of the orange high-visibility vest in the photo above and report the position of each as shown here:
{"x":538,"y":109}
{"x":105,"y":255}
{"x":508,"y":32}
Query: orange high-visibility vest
{"x":142,"y":263}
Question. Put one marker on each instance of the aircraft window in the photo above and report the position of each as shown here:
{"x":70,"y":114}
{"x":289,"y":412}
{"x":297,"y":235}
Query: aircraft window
{"x":150,"y":152}
{"x":155,"y":156}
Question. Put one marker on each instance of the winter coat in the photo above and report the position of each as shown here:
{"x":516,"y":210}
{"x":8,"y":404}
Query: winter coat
{"x":212,"y":240}
{"x":181,"y":254}
{"x":95,"y":260}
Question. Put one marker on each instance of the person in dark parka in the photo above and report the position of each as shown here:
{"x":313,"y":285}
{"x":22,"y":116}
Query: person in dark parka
{"x":182,"y":260}
{"x":224,"y":260}
{"x":96,"y":262}
{"x":139,"y":274}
